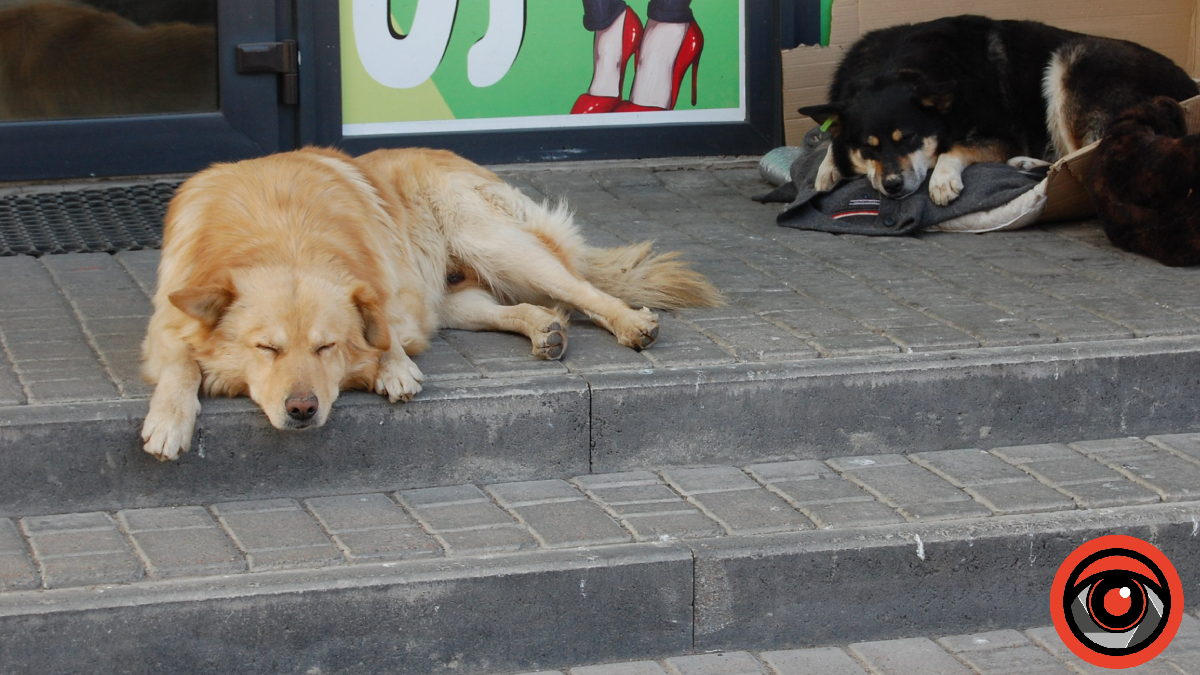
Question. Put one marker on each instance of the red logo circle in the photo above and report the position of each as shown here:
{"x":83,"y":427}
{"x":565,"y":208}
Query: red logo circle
{"x":1116,"y":601}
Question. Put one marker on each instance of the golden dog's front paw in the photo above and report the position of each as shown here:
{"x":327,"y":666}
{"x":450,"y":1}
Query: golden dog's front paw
{"x":550,"y":342}
{"x":638,"y":330}
{"x":399,"y":378}
{"x":945,"y":186}
{"x":167,"y":431}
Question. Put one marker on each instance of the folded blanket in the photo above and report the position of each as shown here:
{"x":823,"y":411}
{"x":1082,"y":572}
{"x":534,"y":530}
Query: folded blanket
{"x":994,"y":197}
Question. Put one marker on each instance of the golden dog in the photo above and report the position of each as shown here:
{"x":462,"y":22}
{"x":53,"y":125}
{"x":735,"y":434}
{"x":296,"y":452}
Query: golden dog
{"x":292,"y":277}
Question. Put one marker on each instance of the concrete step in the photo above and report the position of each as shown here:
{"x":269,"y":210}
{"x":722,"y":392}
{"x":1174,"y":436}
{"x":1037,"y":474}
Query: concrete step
{"x":86,"y":455}
{"x":604,"y":567}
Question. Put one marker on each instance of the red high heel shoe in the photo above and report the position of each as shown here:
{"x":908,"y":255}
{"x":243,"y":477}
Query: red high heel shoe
{"x":688,"y":57}
{"x":631,"y":40}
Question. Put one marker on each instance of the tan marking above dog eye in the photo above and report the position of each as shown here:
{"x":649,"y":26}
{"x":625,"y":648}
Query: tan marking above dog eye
{"x":873,"y":141}
{"x":897,"y":135}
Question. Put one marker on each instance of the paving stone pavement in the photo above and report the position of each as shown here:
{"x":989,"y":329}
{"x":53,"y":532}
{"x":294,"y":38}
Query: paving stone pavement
{"x":590,"y":511}
{"x":1035,"y":651}
{"x":71,"y":325}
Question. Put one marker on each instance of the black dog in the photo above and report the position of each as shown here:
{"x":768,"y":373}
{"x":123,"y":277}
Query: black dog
{"x":1145,"y":183}
{"x":932,"y":98}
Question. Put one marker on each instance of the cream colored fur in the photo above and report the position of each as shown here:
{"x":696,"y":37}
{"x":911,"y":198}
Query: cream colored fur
{"x":292,"y":277}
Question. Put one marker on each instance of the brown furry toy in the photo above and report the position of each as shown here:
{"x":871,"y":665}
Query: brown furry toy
{"x":1145,"y":183}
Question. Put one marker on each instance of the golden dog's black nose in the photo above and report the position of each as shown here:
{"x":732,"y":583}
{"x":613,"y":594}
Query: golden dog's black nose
{"x":302,"y":407}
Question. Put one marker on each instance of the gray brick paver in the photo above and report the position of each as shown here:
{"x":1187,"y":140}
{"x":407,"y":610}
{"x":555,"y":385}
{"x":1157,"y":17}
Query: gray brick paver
{"x":501,"y":354}
{"x":646,"y":507}
{"x":1020,"y":258}
{"x":464,"y":520}
{"x":1047,"y":638}
{"x":988,"y":324}
{"x":80,"y":549}
{"x":735,"y":501}
{"x":16,"y":571}
{"x":1091,"y":484}
{"x":1003,"y":652}
{"x":10,"y":387}
{"x":627,"y":668}
{"x":748,"y":336}
{"x":725,"y":663}
{"x":443,"y":362}
{"x":277,"y":534}
{"x":818,"y":661}
{"x":1000,"y":486}
{"x":1184,"y":650}
{"x":109,"y":303}
{"x":913,"y":490}
{"x":1171,"y":476}
{"x":681,"y":345}
{"x":558,"y":514}
{"x":142,"y":266}
{"x":33,"y":339}
{"x":819,"y":493}
{"x":1184,"y":445}
{"x":1067,"y":321}
{"x":907,"y":657}
{"x":180,"y":541}
{"x":592,"y":349}
{"x":1097,"y":259}
{"x":371,"y":527}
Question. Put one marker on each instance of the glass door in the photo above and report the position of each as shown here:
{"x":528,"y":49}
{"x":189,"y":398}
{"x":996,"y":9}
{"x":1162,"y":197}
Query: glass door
{"x":126,"y":87}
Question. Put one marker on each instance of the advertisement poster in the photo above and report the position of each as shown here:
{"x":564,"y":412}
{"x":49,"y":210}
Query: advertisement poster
{"x":432,"y":66}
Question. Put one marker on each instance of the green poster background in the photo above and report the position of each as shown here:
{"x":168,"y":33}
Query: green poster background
{"x":552,"y":69}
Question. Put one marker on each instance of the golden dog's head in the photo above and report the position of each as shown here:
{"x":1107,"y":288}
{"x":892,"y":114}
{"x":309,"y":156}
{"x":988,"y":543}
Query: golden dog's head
{"x":289,"y":340}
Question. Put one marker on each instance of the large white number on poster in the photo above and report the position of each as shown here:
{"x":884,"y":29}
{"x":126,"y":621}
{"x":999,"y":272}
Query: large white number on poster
{"x":403,"y":63}
{"x":489,"y":60}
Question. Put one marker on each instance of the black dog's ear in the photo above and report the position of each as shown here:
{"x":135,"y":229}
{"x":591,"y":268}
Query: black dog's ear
{"x":828,"y":116}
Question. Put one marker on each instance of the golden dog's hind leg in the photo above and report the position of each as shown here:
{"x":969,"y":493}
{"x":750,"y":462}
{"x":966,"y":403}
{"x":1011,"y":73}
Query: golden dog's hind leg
{"x":530,"y":269}
{"x":476,"y":309}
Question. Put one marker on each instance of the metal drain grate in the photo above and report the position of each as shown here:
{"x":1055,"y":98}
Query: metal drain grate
{"x":84,"y":221}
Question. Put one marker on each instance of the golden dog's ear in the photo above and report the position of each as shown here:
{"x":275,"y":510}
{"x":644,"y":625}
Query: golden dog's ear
{"x":206,"y":304}
{"x":375,"y":328}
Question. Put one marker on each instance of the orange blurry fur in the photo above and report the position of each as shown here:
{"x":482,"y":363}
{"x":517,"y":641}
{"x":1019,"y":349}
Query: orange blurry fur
{"x":292,"y":277}
{"x":61,"y":59}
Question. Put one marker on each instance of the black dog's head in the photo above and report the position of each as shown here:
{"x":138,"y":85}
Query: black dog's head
{"x":889,"y":130}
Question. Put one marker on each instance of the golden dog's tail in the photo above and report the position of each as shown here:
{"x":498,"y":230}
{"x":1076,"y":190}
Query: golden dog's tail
{"x":643,"y":278}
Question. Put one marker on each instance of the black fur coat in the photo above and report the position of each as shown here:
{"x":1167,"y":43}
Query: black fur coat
{"x":1145,"y":183}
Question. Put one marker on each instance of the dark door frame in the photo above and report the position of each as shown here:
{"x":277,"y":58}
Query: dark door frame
{"x":762,"y":130}
{"x":249,"y":123}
